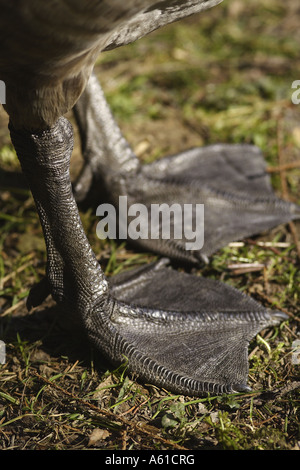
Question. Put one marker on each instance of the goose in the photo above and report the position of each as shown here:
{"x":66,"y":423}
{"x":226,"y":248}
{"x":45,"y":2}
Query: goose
{"x":179,"y":331}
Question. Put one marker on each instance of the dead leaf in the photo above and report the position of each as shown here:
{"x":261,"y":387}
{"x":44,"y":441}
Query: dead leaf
{"x":98,"y":435}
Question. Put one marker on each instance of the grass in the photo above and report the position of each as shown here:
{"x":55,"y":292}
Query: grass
{"x":223,"y":76}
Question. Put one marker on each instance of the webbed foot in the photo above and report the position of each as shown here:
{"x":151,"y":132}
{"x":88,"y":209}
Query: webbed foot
{"x":182,"y":332}
{"x":230,"y":180}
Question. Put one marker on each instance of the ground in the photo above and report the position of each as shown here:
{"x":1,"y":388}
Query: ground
{"x":224,"y":76}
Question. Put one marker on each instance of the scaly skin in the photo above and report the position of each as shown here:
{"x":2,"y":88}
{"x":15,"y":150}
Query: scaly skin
{"x":182,"y":332}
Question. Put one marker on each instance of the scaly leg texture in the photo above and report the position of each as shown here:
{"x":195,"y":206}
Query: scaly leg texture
{"x":230,"y":180}
{"x":182,"y":332}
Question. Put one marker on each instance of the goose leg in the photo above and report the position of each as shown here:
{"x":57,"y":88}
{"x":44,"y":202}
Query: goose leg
{"x":230,"y":180}
{"x":182,"y":332}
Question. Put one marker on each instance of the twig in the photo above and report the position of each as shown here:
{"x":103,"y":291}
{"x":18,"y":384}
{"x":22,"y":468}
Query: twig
{"x":134,"y":409}
{"x":13,"y":308}
{"x":283,"y":167}
{"x":243,"y":268}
